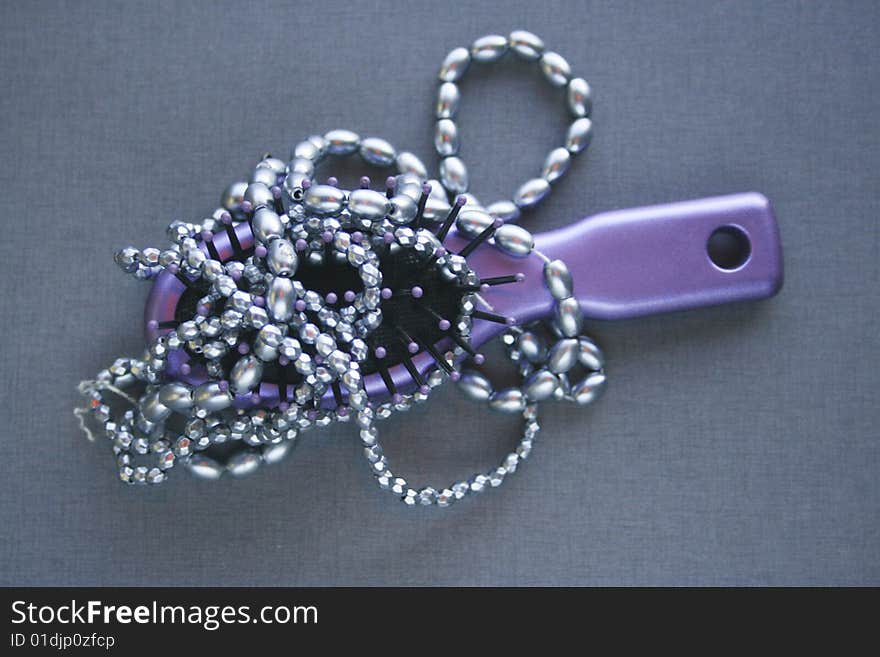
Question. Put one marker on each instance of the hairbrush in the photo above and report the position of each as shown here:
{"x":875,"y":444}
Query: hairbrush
{"x":298,"y":303}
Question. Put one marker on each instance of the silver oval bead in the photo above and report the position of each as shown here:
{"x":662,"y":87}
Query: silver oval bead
{"x":324,"y":199}
{"x":152,"y":409}
{"x":455,"y":65}
{"x":448,"y":97}
{"x":589,"y":354}
{"x":446,"y":137}
{"x":243,"y":464}
{"x":437,"y":190}
{"x":300,"y":165}
{"x":540,"y":386}
{"x":273,"y":454}
{"x":454,"y":175}
{"x":568,"y":317}
{"x":514,"y":240}
{"x":403,"y":209}
{"x":508,"y":400}
{"x":293,"y":184}
{"x":282,"y":259}
{"x":258,"y":194}
{"x":246,"y":374}
{"x":274,"y":164}
{"x":532,"y":347}
{"x":410,"y":185}
{"x":307,"y":150}
{"x":579,"y":97}
{"x":557,"y":278}
{"x":531,"y":193}
{"x":475,"y":386}
{"x":589,"y":389}
{"x":342,"y":142}
{"x":555,"y":68}
{"x":280,"y":299}
{"x":556,"y":164}
{"x":504,"y":210}
{"x":473,"y":222}
{"x":436,"y":209}
{"x":489,"y":48}
{"x":527,"y":45}
{"x":176,"y":396}
{"x":563,"y":355}
{"x":264,"y":175}
{"x":320,"y":143}
{"x":233,"y":196}
{"x":211,"y":398}
{"x":267,"y":225}
{"x":368,"y":204}
{"x":204,"y":467}
{"x":409,"y":163}
{"x":580,"y":133}
{"x":377,"y":152}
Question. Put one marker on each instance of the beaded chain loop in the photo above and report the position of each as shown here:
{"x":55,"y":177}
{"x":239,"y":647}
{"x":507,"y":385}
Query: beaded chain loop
{"x":545,"y":371}
{"x":448,"y":495}
{"x":491,"y":48}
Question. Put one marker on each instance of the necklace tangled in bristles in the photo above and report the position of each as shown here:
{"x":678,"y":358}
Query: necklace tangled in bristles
{"x":299,"y":305}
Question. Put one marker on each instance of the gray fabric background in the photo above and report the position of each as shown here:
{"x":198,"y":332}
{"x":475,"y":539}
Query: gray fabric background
{"x":736,"y":445}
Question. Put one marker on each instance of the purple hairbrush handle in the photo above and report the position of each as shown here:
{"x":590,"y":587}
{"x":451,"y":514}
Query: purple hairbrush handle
{"x":644,"y":261}
{"x":629,"y":263}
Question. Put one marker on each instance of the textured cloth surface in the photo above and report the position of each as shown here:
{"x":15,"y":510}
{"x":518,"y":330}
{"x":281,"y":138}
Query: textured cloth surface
{"x":736,"y":445}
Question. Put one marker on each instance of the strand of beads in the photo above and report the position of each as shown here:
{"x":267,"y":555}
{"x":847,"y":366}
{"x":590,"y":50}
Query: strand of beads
{"x":309,"y":153}
{"x":556,"y":70}
{"x":447,"y":495}
{"x":126,"y":431}
{"x":265,"y":437}
{"x":545,"y":371}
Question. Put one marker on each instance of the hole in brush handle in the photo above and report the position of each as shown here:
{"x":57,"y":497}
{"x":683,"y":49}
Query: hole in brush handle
{"x":729,"y":248}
